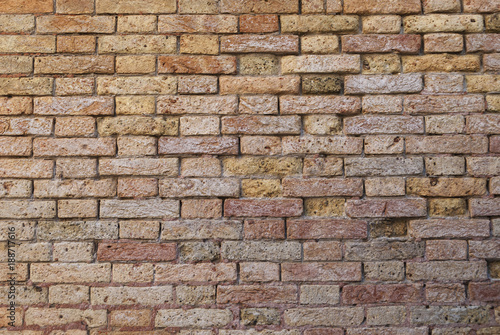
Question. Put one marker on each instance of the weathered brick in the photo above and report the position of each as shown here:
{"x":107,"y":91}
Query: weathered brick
{"x":384,"y":187}
{"x":137,"y":125}
{"x":260,"y":145}
{"x":27,"y":44}
{"x":259,"y":272}
{"x":76,"y":168}
{"x":405,"y":44}
{"x":133,"y":272}
{"x":385,"y":315}
{"x":136,"y":252}
{"x":259,"y":23}
{"x":16,"y":64}
{"x":73,"y":106}
{"x":384,"y":271}
{"x":446,"y":250}
{"x":153,"y":208}
{"x":446,"y":144}
{"x":259,"y":6}
{"x":75,"y":126}
{"x":443,"y":42}
{"x":445,"y":293}
{"x":383,"y":125}
{"x":315,"y":187}
{"x":446,"y":270}
{"x":201,"y":187}
{"x":323,"y":166}
{"x":484,"y":249}
{"x":198,"y":24}
{"x":449,"y":315}
{"x":61,"y":316}
{"x":381,"y":24}
{"x":74,"y":188}
{"x":322,"y":145}
{"x":443,"y":124}
{"x":271,"y":208}
{"x":77,"y":230}
{"x":139,"y":230}
{"x":436,"y":23}
{"x":75,"y":24}
{"x":248,"y":294}
{"x":197,"y":105}
{"x":260,"y":316}
{"x":64,"y":294}
{"x":319,"y":23}
{"x":319,"y":44}
{"x":259,"y":43}
{"x":26,"y":86}
{"x":15,"y":105}
{"x":199,"y":44}
{"x":74,"y":64}
{"x":196,"y":317}
{"x":383,"y":84}
{"x":382,"y":7}
{"x":395,"y":293}
{"x":70,"y":272}
{"x":130,"y":318}
{"x":447,"y":207}
{"x":322,"y":251}
{"x":77,"y":208}
{"x":446,"y":187}
{"x":73,"y":252}
{"x":136,"y":85}
{"x":135,"y":64}
{"x":441,"y":63}
{"x":201,"y":229}
{"x":491,"y":62}
{"x":27,"y":209}
{"x":260,"y":251}
{"x":74,"y":147}
{"x":135,"y":6}
{"x":201,"y":208}
{"x":15,"y":146}
{"x":203,"y":272}
{"x":319,"y":105}
{"x":248,"y":165}
{"x":380,"y":104}
{"x":383,"y":250}
{"x":381,"y":63}
{"x":326,"y":228}
{"x":323,"y":271}
{"x":482,"y":42}
{"x":326,"y":316}
{"x":324,"y":207}
{"x":387,"y":166}
{"x":261,"y":125}
{"x":136,"y":24}
{"x":153,"y":295}
{"x":258,"y":64}
{"x":320,"y":64}
{"x":259,"y":85}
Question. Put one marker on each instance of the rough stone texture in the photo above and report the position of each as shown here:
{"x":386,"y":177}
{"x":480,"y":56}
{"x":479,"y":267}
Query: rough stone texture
{"x":250,"y":167}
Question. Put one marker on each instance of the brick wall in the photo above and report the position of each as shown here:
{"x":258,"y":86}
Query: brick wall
{"x":250,"y":167}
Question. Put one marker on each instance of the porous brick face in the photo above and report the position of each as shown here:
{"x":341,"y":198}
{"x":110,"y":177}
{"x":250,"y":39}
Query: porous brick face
{"x":250,"y":167}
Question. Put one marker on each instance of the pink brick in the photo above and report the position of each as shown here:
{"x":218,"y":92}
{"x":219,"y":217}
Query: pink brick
{"x":331,"y":271}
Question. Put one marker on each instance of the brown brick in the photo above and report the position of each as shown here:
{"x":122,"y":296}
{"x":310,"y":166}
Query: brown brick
{"x":396,"y":293}
{"x":319,"y":44}
{"x":199,"y":44}
{"x":259,"y":23}
{"x":319,"y":23}
{"x":198,"y":24}
{"x":75,"y":44}
{"x":381,"y":63}
{"x":75,"y":24}
{"x":137,"y":187}
{"x":316,"y":187}
{"x":26,"y":86}
{"x":445,"y":293}
{"x":26,"y":6}
{"x":436,"y":23}
{"x":130,"y":318}
{"x":446,"y":250}
{"x":135,"y":6}
{"x":322,"y":251}
{"x":264,"y":229}
{"x":201,"y":208}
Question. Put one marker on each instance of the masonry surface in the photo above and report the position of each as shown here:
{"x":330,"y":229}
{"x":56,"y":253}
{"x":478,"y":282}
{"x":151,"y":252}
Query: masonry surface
{"x":250,"y":167}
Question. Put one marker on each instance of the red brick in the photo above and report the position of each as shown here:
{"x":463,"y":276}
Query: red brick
{"x":446,"y":250}
{"x":321,"y":187}
{"x":264,"y":229}
{"x":386,"y":208}
{"x":259,"y":23}
{"x":326,"y":228}
{"x":324,"y":331}
{"x":198,"y":145}
{"x":197,"y":64}
{"x":331,"y":271}
{"x":271,"y":208}
{"x":485,"y":291}
{"x":252,"y":294}
{"x":260,"y":43}
{"x":369,"y":294}
{"x":405,"y":44}
{"x":323,"y":251}
{"x":155,"y":252}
